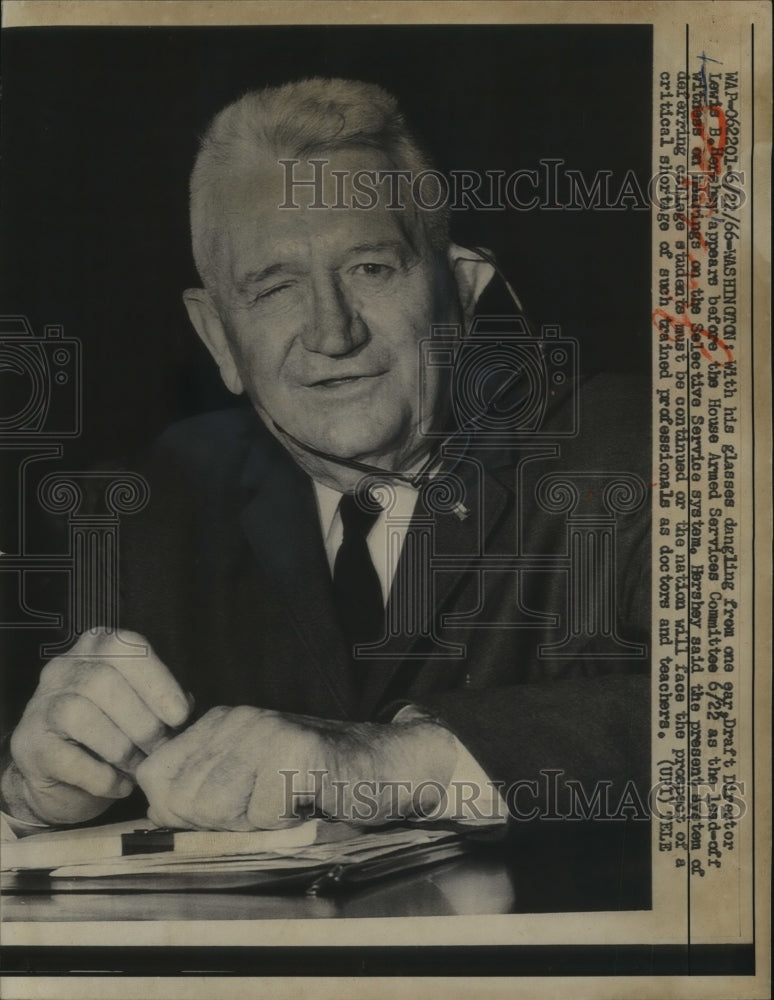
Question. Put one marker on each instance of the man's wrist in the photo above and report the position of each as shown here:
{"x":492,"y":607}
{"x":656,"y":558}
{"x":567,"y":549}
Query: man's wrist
{"x":13,"y":798}
{"x":384,"y":772}
{"x":473,"y":799}
{"x":424,"y":757}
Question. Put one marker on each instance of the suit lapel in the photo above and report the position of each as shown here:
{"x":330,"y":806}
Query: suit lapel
{"x":458,"y":543}
{"x":282,"y":525}
{"x":281,"y":522}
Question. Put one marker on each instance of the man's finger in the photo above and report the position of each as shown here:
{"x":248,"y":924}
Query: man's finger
{"x":144,"y":671}
{"x":72,"y":765}
{"x":160,"y":815}
{"x":152,"y":779}
{"x":110,"y":692}
{"x":272,"y":807}
{"x":172,"y":779}
{"x":154,"y":817}
{"x":79,"y":720}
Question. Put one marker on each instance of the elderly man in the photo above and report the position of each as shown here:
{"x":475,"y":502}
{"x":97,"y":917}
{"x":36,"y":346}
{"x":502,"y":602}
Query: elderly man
{"x":261,"y":577}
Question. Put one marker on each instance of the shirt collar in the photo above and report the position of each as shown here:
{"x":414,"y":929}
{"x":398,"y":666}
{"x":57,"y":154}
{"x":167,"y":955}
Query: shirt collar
{"x":327,"y":504}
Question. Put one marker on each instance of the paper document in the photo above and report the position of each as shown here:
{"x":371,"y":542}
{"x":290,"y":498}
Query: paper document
{"x":138,"y":848}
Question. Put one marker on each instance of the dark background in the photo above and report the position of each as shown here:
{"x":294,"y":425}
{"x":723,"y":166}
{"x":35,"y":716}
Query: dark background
{"x":99,"y":132}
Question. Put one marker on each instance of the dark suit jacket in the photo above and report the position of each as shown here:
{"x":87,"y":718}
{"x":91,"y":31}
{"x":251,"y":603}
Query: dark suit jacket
{"x":226,"y":574}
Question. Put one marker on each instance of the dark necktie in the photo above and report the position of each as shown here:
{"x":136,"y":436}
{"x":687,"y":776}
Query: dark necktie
{"x":356,"y":589}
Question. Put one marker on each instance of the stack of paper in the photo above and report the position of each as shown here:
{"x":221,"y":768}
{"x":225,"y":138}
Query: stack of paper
{"x":118,"y":851}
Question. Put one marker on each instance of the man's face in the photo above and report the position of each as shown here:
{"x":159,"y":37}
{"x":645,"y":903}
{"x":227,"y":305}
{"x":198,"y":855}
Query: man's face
{"x":324,"y":310}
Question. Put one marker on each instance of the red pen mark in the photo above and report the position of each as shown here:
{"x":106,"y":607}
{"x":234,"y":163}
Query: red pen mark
{"x":697,"y":333}
{"x":693,"y":227}
{"x":708,"y":157}
{"x":692,"y":282}
{"x":711,"y":154}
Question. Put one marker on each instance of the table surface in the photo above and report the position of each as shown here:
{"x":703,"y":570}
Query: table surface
{"x":562,"y":871}
{"x":462,"y":886}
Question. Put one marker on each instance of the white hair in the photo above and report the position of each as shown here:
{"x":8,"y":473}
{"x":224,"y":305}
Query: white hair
{"x":294,"y":120}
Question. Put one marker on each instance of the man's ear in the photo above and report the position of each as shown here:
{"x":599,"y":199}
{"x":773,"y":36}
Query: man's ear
{"x":472,"y":273}
{"x":209,"y":326}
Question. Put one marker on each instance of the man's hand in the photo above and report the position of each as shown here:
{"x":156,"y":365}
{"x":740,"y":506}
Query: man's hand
{"x":247,"y":768}
{"x":97,"y":712}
